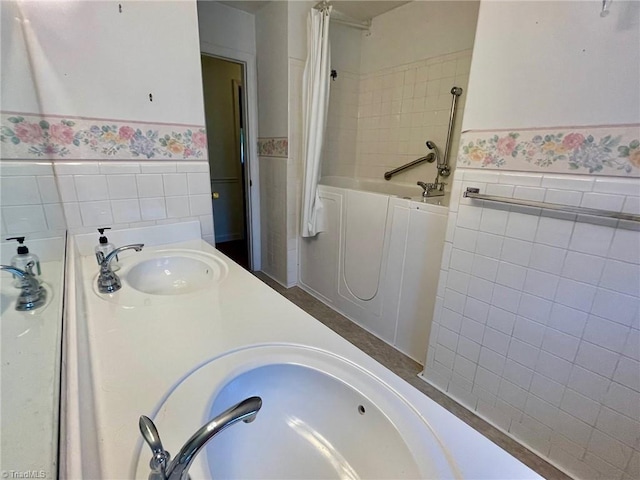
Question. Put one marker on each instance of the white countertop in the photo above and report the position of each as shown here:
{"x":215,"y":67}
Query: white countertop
{"x":137,"y":354}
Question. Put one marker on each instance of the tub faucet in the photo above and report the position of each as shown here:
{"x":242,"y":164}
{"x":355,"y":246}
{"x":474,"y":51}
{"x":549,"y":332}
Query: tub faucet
{"x":108,"y":281}
{"x":32,"y":294}
{"x":178,"y":468}
{"x":435,"y":189}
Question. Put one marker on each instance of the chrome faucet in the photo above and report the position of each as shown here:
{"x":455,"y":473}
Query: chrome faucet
{"x":108,"y":281}
{"x":32,"y":294}
{"x":435,"y":189}
{"x":178,"y":468}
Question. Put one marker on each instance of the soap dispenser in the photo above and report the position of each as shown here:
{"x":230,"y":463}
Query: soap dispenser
{"x":104,"y":248}
{"x":22,"y":259}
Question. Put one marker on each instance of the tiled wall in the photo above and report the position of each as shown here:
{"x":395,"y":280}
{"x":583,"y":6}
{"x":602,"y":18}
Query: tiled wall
{"x":29,"y":198}
{"x":381,"y":120}
{"x":339,"y":149}
{"x":401,"y":108}
{"x":273,"y":216}
{"x":536,"y":326}
{"x":128,"y":194}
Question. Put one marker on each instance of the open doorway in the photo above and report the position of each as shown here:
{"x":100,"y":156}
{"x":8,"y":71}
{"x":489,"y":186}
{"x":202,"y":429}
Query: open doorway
{"x":224,"y":105}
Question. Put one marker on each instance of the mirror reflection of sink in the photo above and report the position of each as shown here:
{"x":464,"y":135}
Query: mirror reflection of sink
{"x":170,"y":276}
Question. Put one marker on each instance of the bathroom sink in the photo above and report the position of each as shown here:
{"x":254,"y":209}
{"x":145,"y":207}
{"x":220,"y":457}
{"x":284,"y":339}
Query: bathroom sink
{"x":321,"y":418}
{"x":171,"y":275}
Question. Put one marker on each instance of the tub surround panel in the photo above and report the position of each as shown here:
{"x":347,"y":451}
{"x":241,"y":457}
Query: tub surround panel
{"x":612,"y":150}
{"x":537,"y":317}
{"x":383,"y":280}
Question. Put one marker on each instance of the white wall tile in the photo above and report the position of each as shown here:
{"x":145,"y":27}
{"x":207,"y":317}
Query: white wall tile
{"x":575,"y":294}
{"x":606,"y":334}
{"x":198,"y":183}
{"x":158,"y":167}
{"x":534,"y":308}
{"x":596,"y":359}
{"x":153,"y":208}
{"x":616,"y":307}
{"x":555,"y":232}
{"x":150,"y":185}
{"x":91,"y":187}
{"x":546,"y":258}
{"x":24,"y":219}
{"x":54,"y":215}
{"x":126,"y":211}
{"x":553,"y":367}
{"x":563,"y":197}
{"x":602,"y":201}
{"x":541,"y":284}
{"x":77,"y":168}
{"x":523,"y":353}
{"x":484,"y":267}
{"x":568,"y":182}
{"x":628,"y":373}
{"x":529,"y":331}
{"x":618,"y":426}
{"x":506,"y":298}
{"x":494,"y":221}
{"x":590,"y":384}
{"x":122,"y":186}
{"x":200,"y":204}
{"x":622,"y":277}
{"x":609,"y":449}
{"x":623,"y":400}
{"x":175,"y":184}
{"x":465,"y":239}
{"x":593,"y":239}
{"x":67,"y":188}
{"x":567,"y":320}
{"x":201,"y":166}
{"x":96,"y":213}
{"x":582,"y":267}
{"x":516,"y":251}
{"x":547,"y":389}
{"x":177,"y":207}
{"x":511,"y":275}
{"x":489,"y":245}
{"x":48,"y":189}
{"x":461,"y":260}
{"x":496,"y":341}
{"x":72,"y":214}
{"x":19,"y":191}
{"x":580,"y":406}
{"x":517,"y":374}
{"x":115,"y":168}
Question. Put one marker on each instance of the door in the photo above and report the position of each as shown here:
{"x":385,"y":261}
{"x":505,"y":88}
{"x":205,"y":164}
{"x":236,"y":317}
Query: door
{"x":223,"y":82}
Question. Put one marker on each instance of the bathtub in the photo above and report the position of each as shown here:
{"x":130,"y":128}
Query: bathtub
{"x":327,"y":407}
{"x":378,"y":259}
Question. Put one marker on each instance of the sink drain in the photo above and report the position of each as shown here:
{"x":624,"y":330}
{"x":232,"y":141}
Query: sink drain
{"x":361,"y":409}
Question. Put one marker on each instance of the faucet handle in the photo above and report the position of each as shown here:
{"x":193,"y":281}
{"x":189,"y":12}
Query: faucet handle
{"x":160,"y":457}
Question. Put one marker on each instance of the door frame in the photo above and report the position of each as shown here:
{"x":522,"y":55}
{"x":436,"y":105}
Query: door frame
{"x":252,"y":172}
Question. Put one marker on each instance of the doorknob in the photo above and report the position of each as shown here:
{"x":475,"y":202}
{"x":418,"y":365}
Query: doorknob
{"x":215,"y":195}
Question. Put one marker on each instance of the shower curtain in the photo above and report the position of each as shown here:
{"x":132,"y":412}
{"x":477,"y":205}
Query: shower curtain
{"x":315,"y":102}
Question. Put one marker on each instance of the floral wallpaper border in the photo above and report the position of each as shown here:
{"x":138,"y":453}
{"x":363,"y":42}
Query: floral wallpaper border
{"x":273,"y":147}
{"x":611,"y":150}
{"x":74,"y":138}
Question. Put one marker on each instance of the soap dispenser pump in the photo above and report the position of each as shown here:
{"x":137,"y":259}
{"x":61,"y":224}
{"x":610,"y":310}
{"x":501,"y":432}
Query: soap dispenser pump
{"x":104,"y":248}
{"x":22,"y":260}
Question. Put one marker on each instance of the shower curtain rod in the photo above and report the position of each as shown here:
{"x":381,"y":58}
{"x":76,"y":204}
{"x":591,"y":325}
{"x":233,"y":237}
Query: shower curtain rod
{"x":341,"y":18}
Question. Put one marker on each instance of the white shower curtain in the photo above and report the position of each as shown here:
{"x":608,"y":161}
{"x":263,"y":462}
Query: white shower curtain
{"x":315,"y":102}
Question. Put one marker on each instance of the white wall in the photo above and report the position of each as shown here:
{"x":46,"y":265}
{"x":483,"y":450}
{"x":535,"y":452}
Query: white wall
{"x":271,"y":38}
{"x":543,"y":64}
{"x":418,"y":30}
{"x":226,"y":27}
{"x":148,"y":48}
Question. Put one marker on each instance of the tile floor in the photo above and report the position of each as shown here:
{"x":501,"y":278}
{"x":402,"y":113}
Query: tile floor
{"x":407,"y":369}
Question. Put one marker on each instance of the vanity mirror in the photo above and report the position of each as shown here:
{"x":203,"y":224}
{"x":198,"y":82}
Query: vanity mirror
{"x":30,"y":207}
